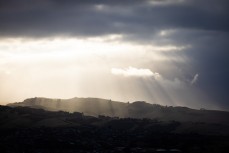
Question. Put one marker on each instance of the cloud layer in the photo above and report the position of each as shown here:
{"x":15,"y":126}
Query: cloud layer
{"x":178,"y":39}
{"x":140,"y":19}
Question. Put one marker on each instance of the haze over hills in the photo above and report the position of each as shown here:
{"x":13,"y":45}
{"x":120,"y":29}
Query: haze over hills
{"x":138,"y":109}
{"x":31,"y":130}
{"x":100,"y":125}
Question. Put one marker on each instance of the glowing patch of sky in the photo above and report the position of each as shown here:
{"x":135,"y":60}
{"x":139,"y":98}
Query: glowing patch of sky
{"x":90,"y":67}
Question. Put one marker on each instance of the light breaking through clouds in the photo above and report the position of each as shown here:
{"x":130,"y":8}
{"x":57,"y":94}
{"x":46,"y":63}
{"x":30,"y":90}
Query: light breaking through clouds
{"x":118,"y":49}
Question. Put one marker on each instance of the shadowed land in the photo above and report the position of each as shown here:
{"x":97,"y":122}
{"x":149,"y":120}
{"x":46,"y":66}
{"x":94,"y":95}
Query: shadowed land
{"x":138,"y":109}
{"x":25,"y":129}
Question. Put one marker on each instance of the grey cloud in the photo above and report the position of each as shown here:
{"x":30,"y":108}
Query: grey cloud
{"x":129,"y":17}
{"x":202,"y":24}
{"x":208,"y":56}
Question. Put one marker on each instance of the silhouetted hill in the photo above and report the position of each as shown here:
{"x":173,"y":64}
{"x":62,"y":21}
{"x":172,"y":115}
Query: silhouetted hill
{"x":89,"y":106}
{"x":139,"y":109}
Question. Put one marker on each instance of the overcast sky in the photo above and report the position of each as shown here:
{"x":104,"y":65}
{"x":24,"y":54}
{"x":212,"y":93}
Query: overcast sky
{"x":170,"y":52}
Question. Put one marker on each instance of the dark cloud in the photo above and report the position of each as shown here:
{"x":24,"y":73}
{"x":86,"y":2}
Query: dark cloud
{"x":202,"y":24}
{"x":101,"y":17}
{"x":208,"y":56}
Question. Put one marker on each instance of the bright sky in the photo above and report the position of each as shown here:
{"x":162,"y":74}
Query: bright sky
{"x":105,"y":67}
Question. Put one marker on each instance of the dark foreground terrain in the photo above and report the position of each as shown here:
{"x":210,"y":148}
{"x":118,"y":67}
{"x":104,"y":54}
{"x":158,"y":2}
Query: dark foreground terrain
{"x":28,"y":130}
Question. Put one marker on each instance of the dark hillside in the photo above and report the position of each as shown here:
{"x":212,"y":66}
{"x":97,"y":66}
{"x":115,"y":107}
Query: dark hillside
{"x":29,"y":130}
{"x":139,"y":109}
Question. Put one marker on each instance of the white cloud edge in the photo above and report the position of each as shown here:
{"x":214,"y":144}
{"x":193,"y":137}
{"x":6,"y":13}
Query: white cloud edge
{"x":134,"y":72}
{"x":195,"y":79}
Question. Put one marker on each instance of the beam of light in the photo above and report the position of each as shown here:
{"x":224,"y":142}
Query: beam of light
{"x":88,"y":67}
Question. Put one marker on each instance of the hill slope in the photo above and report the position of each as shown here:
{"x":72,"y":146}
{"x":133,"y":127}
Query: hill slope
{"x":24,"y":129}
{"x":96,"y":106}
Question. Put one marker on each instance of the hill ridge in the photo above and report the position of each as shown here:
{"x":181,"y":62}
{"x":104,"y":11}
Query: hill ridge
{"x":137,"y":109}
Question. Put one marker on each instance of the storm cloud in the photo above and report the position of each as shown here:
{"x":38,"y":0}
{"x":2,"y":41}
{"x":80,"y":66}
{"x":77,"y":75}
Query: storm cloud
{"x":101,"y":17}
{"x":197,"y":29}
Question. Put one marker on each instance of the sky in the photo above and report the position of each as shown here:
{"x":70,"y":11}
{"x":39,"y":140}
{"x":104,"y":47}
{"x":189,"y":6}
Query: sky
{"x":168,"y":52}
